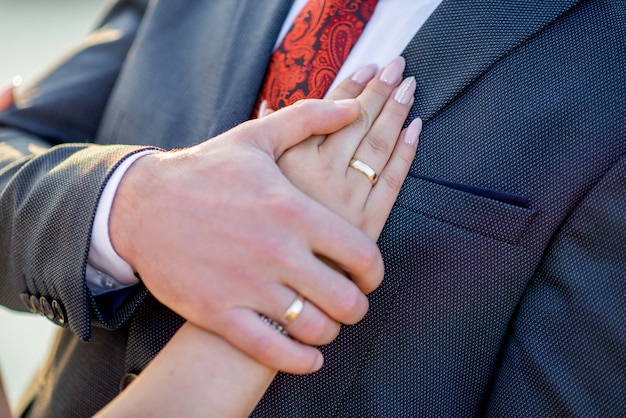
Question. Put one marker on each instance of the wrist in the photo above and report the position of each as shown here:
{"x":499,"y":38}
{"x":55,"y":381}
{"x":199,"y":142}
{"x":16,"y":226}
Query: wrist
{"x":108,"y":269}
{"x":125,"y":216}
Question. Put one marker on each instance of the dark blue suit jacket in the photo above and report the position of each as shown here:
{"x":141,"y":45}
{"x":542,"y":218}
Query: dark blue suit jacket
{"x":505,"y":252}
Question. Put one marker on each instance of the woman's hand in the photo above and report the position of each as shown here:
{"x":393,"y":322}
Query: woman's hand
{"x":320,"y":166}
{"x":198,"y":373}
{"x":374,"y":143}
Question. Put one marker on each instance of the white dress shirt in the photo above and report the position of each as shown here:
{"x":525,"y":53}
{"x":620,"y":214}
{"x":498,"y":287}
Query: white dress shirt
{"x":392,"y":26}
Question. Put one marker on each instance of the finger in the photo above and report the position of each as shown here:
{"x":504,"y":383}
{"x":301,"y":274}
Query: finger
{"x":348,"y":89}
{"x":383,"y":196}
{"x":293,"y":124}
{"x":309,"y":325}
{"x":353,"y":86}
{"x":245,"y":330}
{"x":360,"y":259}
{"x":340,"y":298}
{"x":375,"y":150}
{"x":373,"y":100}
{"x":312,"y":326}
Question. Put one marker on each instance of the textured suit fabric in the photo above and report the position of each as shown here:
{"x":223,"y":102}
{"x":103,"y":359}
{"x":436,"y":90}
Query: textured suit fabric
{"x":487,"y":308}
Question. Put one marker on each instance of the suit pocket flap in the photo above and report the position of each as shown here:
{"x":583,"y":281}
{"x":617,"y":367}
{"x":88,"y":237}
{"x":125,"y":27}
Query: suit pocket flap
{"x":485,"y":216}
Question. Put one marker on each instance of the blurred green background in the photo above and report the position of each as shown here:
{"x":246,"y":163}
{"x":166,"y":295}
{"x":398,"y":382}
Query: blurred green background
{"x":33,"y":34}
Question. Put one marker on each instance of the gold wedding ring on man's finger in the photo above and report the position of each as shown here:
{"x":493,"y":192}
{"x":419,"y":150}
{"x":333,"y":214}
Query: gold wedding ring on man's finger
{"x":293,"y":310}
{"x":365,"y":169}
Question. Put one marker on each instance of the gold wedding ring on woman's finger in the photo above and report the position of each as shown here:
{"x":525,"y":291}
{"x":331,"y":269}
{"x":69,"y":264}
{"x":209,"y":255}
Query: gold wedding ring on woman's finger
{"x":364,"y":168}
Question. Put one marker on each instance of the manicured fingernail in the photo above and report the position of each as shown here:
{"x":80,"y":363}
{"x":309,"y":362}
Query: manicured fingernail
{"x":413,"y":132}
{"x":365,"y":74}
{"x":405,"y":91}
{"x":393,"y":71}
{"x":262,"y":108}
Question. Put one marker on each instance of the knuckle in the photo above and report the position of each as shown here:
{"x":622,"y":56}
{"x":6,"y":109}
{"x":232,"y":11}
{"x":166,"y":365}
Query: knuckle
{"x":302,"y":104}
{"x":351,"y":89}
{"x":365,"y":119}
{"x":290,"y":262}
{"x":303,"y":365}
{"x":332,"y":332}
{"x":302,"y":109}
{"x":315,"y":333}
{"x":372,"y":270}
{"x":349,"y":307}
{"x":377,"y":143}
{"x":318,"y":331}
{"x":281,"y":357}
{"x":370,"y":258}
{"x":286,"y":206}
{"x":263,"y":350}
{"x":341,"y":91}
{"x":380,"y":91}
{"x":393,"y":181}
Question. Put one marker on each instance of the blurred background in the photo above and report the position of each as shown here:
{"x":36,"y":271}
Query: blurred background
{"x":33,"y":34}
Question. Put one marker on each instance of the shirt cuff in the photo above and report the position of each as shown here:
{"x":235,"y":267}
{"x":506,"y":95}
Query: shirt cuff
{"x":106,"y":270}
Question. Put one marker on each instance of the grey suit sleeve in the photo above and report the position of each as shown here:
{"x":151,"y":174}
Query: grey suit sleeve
{"x":567,"y":349}
{"x":51,"y":175}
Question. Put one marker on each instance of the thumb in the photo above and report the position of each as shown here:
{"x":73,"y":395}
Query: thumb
{"x":291,"y":125}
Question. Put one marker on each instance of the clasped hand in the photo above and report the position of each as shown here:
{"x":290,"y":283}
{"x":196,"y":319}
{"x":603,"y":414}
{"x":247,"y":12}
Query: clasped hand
{"x":221,"y":233}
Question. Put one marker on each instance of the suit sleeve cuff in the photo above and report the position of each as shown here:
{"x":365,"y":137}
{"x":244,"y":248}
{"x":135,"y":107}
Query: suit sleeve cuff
{"x":106,"y":270}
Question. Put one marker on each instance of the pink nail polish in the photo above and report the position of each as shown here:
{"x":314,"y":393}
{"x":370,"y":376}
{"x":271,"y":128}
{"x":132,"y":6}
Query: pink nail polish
{"x":413,"y":131}
{"x":405,"y":91}
{"x":393,"y":71}
{"x":365,"y":74}
{"x":262,"y":108}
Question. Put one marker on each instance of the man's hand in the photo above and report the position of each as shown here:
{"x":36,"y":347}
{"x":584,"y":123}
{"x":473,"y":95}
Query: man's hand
{"x":219,"y":235}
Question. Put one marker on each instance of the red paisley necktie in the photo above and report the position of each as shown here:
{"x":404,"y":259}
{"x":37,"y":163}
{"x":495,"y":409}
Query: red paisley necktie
{"x":312,"y":52}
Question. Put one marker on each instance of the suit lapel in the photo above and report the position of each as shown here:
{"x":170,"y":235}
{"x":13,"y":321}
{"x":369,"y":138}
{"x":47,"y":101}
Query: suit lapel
{"x":194,"y":80}
{"x":462,"y":39}
{"x":459,"y":42}
{"x":249,"y":50}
